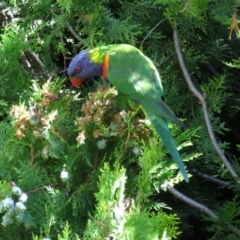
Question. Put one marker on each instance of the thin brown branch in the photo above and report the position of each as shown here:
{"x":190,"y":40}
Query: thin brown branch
{"x":35,"y":61}
{"x":70,"y":28}
{"x":235,"y":21}
{"x":150,"y":32}
{"x":186,"y":6}
{"x":43,"y":187}
{"x":201,"y":98}
{"x":212,"y":70}
{"x":191,"y":202}
{"x":211,"y":179}
{"x":200,"y":207}
{"x":32,"y":64}
{"x":105,"y":228}
{"x":24,"y":61}
{"x":165,"y":60}
{"x":59,"y":136}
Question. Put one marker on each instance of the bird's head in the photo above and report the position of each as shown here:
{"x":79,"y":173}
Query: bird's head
{"x":82,"y":67}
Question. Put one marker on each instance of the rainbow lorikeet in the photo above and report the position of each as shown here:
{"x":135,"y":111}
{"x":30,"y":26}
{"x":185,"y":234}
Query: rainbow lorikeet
{"x":135,"y":76}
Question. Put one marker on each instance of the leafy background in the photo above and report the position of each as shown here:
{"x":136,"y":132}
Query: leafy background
{"x":120,"y":182}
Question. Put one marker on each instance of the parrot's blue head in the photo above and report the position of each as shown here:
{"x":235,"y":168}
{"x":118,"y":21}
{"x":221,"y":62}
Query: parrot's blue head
{"x":81,"y":68}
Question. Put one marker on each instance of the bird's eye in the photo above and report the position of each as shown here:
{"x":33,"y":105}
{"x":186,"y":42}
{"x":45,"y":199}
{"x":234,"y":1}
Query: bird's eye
{"x":78,"y":69}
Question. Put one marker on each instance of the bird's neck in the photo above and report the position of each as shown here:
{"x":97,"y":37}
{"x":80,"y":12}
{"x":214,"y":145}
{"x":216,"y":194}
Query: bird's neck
{"x":100,"y":56}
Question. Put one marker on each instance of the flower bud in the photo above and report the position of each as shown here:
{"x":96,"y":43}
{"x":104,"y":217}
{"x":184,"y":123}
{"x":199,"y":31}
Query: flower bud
{"x":101,"y":144}
{"x":7,"y":219}
{"x":64,"y":175}
{"x":23,"y":197}
{"x":16,"y":191}
{"x":20,"y":207}
{"x":136,"y":150}
{"x":7,"y":203}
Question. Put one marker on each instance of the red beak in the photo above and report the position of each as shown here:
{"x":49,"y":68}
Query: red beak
{"x":76,"y":82}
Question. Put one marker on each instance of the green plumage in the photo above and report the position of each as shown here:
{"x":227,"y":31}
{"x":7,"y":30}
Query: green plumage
{"x":134,"y":75}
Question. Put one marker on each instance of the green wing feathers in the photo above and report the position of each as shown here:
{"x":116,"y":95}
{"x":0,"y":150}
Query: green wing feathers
{"x":163,"y":131}
{"x":135,"y":76}
{"x":159,"y":108}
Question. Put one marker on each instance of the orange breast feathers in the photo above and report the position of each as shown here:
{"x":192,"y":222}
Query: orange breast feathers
{"x":105,"y":65}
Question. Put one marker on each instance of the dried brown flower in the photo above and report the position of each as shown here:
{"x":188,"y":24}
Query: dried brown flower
{"x":34,"y":117}
{"x":100,"y":110}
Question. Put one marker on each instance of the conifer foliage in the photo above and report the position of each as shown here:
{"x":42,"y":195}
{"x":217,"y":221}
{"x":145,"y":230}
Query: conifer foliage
{"x":80,"y":164}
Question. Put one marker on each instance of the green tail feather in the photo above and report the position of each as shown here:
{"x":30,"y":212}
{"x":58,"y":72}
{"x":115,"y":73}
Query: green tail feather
{"x":162,"y":110}
{"x":163,"y":131}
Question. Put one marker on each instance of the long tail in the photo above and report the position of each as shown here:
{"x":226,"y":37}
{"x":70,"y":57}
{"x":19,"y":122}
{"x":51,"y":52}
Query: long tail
{"x":161,"y":109}
{"x":163,"y":131}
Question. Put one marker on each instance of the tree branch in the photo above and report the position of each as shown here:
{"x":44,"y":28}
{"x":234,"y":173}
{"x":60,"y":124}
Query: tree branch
{"x":150,"y":32}
{"x":200,"y":207}
{"x":35,"y":60}
{"x":26,"y":64}
{"x":70,"y":28}
{"x":211,"y":179}
{"x":212,"y":70}
{"x":191,"y":202}
{"x":32,"y":64}
{"x":201,"y":98}
{"x":44,"y":187}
